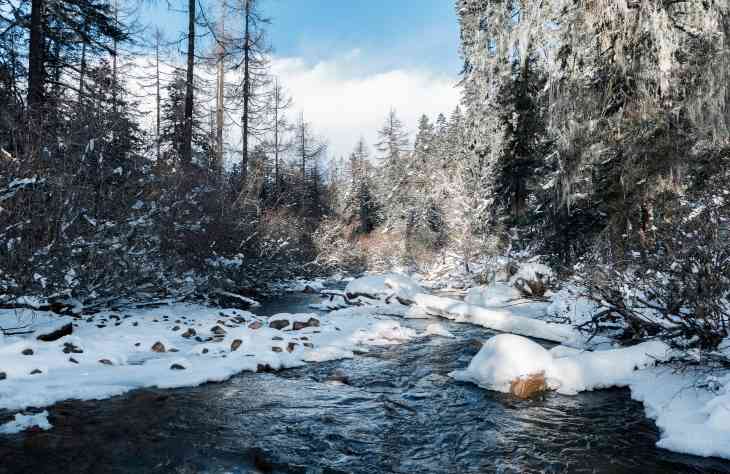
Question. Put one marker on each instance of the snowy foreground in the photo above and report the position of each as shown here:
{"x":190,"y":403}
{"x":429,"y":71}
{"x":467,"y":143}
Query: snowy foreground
{"x":187,"y":345}
{"x":168,"y":347}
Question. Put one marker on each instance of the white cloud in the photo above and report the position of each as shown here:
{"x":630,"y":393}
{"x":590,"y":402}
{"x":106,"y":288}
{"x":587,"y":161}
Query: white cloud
{"x":344,"y":101}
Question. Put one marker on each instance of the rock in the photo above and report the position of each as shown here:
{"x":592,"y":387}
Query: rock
{"x":528,"y":386}
{"x":176,"y":328}
{"x":264,"y":368}
{"x":339,"y":375}
{"x":291,"y":346}
{"x":137,"y":344}
{"x":205,"y":350}
{"x":36,"y":372}
{"x":64,"y":330}
{"x":309,"y":290}
{"x":177,"y":367}
{"x":135,"y":324}
{"x":158,"y":347}
{"x":177,"y":321}
{"x":217,"y":330}
{"x":279,"y":324}
{"x":239,"y":320}
{"x":3,"y":375}
{"x":277,"y":349}
{"x":304,"y":338}
{"x":236,"y":344}
{"x":189,"y":333}
{"x":277,"y":338}
{"x":106,"y":362}
{"x":309,"y":345}
{"x":255,"y":325}
{"x":311,"y":323}
{"x":27,"y":352}
{"x":173,"y":350}
{"x":72,"y":360}
{"x":69,"y":348}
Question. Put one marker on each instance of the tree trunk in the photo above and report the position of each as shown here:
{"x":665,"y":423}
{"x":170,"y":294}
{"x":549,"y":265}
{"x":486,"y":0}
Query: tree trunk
{"x":189,"y":92}
{"x":36,"y":58}
{"x":277,"y":99}
{"x":158,"y":138}
{"x":246,"y":89}
{"x":220,"y":97}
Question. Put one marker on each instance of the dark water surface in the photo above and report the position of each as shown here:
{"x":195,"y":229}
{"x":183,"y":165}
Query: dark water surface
{"x":399,"y":413}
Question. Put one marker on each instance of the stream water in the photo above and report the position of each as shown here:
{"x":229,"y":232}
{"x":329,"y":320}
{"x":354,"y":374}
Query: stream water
{"x":399,"y":412}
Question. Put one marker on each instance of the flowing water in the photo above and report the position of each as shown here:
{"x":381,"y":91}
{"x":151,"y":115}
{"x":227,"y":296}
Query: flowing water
{"x":398,"y":412}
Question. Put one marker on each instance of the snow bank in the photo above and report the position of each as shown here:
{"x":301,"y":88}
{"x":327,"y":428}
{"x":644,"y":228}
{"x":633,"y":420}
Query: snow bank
{"x":691,"y":411}
{"x":111,"y":353}
{"x":506,"y":357}
{"x":24,"y":422}
{"x":502,"y":319}
{"x":382,"y":287}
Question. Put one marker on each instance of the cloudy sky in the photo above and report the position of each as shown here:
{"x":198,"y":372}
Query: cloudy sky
{"x":347,"y":62}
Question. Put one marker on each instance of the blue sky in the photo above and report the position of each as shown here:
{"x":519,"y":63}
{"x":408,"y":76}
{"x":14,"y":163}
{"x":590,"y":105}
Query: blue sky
{"x":347,"y":62}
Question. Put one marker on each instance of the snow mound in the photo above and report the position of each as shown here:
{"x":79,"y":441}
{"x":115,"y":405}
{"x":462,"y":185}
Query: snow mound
{"x":506,"y":357}
{"x":383,"y":287}
{"x":502,"y":359}
{"x":532,"y":271}
{"x":492,"y":295}
{"x":24,"y":422}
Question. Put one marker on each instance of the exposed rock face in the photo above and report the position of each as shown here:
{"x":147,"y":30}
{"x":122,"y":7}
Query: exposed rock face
{"x":236,"y":344}
{"x":158,"y":347}
{"x":279,"y":324}
{"x":528,"y":386}
{"x":312,"y":322}
{"x":64,"y":330}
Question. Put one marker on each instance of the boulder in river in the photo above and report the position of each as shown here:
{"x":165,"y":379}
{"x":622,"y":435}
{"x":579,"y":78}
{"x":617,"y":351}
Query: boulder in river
{"x":57,"y":333}
{"x":158,"y":347}
{"x":279,"y":324}
{"x":27,"y":352}
{"x":528,"y":386}
{"x":236,"y":344}
{"x":312,"y":322}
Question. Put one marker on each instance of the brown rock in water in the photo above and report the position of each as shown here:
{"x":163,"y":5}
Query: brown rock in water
{"x":255,"y":325}
{"x":279,"y":324}
{"x":27,"y":352}
{"x":189,"y":333}
{"x":177,"y":367}
{"x":158,"y":347}
{"x":64,"y":330}
{"x":528,"y":386}
{"x":236,"y":344}
{"x":106,"y":362}
{"x":277,"y":349}
{"x":3,"y":375}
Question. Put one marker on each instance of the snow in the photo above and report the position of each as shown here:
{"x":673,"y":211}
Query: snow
{"x":506,"y":357}
{"x":532,"y":271}
{"x":436,"y":329}
{"x":383,"y":287}
{"x":502,"y":359}
{"x":126,"y":340}
{"x":504,"y":320}
{"x":24,"y":422}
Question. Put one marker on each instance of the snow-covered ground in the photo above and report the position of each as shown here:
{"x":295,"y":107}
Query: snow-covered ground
{"x":172,"y":346}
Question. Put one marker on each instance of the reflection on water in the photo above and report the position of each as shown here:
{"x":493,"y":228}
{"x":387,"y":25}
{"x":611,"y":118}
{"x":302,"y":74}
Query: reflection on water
{"x":399,"y":413}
